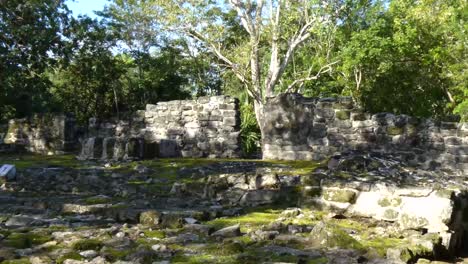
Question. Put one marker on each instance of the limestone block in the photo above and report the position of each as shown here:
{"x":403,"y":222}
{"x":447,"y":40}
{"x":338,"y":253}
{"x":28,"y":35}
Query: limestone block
{"x":189,"y":113}
{"x":453,"y":141}
{"x":259,"y":197}
{"x":339,"y":195}
{"x":463,"y":130}
{"x":457,"y":150}
{"x":342,"y":123}
{"x":343,"y":115}
{"x":394,"y":130}
{"x":363,"y":124}
{"x":215,"y":118}
{"x":325,"y":113}
{"x":229,"y":113}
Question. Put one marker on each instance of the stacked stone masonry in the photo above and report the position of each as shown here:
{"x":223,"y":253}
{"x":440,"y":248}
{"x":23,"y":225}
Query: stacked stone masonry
{"x":205,"y":127}
{"x":40,"y":133}
{"x":299,"y":128}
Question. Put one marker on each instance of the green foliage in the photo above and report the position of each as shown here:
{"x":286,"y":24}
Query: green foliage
{"x":29,"y":34}
{"x":407,"y":58}
{"x":88,"y":81}
{"x":93,"y":82}
{"x":249,"y":132}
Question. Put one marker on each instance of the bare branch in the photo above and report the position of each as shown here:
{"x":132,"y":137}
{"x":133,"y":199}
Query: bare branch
{"x":246,"y":19}
{"x":216,"y":50}
{"x":357,"y":77}
{"x":322,"y":70}
{"x":302,"y":35}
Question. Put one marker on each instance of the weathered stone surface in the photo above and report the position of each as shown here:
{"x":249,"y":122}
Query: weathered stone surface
{"x":130,"y":215}
{"x":259,"y":197}
{"x":294,"y":120}
{"x":339,"y":195}
{"x":40,"y":133}
{"x":151,"y":218}
{"x":230,"y":231}
{"x":191,"y":128}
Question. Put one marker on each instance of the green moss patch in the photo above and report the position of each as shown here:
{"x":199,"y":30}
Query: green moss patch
{"x":249,"y":221}
{"x":16,"y":261}
{"x":71,"y":255}
{"x":87,"y":244}
{"x":155,"y":234}
{"x":26,"y":240}
{"x":31,"y":160}
{"x":97,"y":200}
{"x":114,"y":255}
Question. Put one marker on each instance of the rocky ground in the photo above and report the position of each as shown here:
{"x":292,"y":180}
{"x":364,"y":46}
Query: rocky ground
{"x":60,"y":210}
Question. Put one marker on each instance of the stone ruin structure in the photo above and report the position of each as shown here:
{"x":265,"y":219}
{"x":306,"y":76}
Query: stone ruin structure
{"x":299,"y":128}
{"x":40,"y":133}
{"x":205,"y":127}
{"x":408,"y":173}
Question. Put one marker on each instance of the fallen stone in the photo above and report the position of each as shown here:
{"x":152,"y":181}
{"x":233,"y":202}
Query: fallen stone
{"x":183,"y":238}
{"x":99,"y":260}
{"x":141,"y":169}
{"x":230,"y":231}
{"x":7,"y":172}
{"x":22,"y":221}
{"x":190,"y":220}
{"x":259,"y":197}
{"x":40,"y":260}
{"x":198,"y":228}
{"x":327,"y":235}
{"x":24,"y":252}
{"x":291,"y":212}
{"x":89,"y":254}
{"x":150,"y":218}
{"x":260,"y":235}
{"x":159,"y":247}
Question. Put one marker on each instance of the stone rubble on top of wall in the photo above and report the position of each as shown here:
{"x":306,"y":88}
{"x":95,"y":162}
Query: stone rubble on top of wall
{"x":205,"y":127}
{"x":299,"y":128}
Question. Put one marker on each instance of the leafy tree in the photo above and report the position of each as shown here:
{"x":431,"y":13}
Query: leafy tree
{"x":274,"y":31}
{"x":88,"y":82}
{"x":408,"y":58}
{"x":162,"y":77}
{"x":30,"y":41}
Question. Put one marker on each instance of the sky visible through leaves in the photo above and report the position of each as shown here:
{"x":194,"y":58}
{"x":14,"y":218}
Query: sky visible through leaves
{"x":86,"y":7}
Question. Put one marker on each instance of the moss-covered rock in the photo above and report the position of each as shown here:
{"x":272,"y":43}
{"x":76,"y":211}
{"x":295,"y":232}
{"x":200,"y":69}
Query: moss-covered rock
{"x":71,"y":255}
{"x":329,"y":235}
{"x":390,"y":215}
{"x":17,"y":261}
{"x":412,"y":222}
{"x":389,"y":201}
{"x":113,"y":255}
{"x":150,"y":218}
{"x":343,"y":115}
{"x":88,"y":244}
{"x":394,"y":130}
{"x":98,"y":200}
{"x":26,"y":240}
{"x":339,"y":195}
{"x":155,"y":234}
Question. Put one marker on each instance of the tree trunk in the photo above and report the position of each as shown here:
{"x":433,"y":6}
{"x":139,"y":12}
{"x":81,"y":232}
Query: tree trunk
{"x":259,"y":115}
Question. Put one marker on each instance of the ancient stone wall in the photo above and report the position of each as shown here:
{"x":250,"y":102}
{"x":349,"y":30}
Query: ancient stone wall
{"x":40,"y":133}
{"x":299,"y":128}
{"x":205,"y":127}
